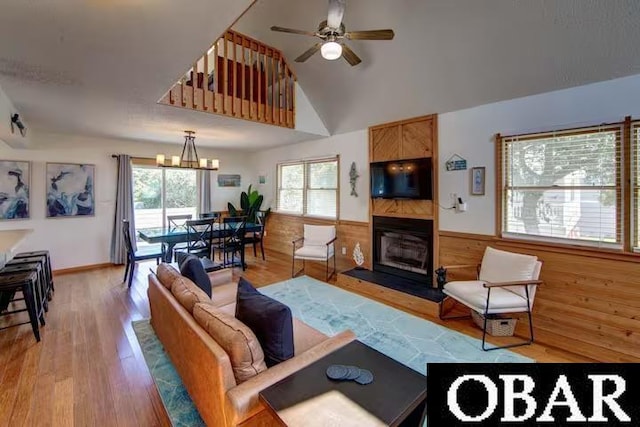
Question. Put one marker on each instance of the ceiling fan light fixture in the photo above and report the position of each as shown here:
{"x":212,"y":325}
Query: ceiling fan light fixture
{"x":331,"y":50}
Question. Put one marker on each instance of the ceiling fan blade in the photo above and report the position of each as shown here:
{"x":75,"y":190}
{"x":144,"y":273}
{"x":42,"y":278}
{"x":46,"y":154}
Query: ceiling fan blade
{"x":350,"y":55}
{"x":292,"y":31}
{"x":309,"y":53}
{"x":370,"y":35}
{"x":336,"y":12}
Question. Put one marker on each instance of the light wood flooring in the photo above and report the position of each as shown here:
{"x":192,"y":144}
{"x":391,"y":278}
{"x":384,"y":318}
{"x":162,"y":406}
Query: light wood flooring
{"x":88,"y":369}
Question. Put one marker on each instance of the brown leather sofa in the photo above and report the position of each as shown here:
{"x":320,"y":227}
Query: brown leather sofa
{"x":205,"y":367}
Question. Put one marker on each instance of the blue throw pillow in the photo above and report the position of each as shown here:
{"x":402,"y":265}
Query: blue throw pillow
{"x":270,"y":321}
{"x":192,"y":269}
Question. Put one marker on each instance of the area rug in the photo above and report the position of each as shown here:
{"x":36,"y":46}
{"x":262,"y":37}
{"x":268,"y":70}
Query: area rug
{"x":410,"y":340}
{"x":182,"y":412}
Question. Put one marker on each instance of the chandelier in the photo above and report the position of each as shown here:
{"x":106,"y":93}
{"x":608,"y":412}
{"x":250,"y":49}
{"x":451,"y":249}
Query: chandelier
{"x":189,"y":157}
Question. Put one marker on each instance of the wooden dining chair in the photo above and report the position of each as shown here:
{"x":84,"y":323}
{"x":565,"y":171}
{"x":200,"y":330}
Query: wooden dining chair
{"x":234,"y":240}
{"x":151,"y":252}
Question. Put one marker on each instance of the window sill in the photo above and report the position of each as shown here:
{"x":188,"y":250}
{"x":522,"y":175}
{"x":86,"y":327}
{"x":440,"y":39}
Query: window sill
{"x":588,"y":251}
{"x":296,"y":215}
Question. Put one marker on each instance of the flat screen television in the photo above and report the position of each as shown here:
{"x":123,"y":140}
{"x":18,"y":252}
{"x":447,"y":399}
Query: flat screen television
{"x":402,"y":179}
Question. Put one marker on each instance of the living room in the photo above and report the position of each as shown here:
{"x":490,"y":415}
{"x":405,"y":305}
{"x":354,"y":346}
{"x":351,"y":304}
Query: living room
{"x":584,"y":311}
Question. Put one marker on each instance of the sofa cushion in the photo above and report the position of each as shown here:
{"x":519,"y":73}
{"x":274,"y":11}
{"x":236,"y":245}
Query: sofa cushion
{"x":473,"y":294}
{"x":187,"y":293}
{"x":501,"y":266}
{"x":305,"y":337}
{"x":237,"y":340}
{"x":192,"y":269}
{"x":225,"y":294}
{"x":167,"y":274}
{"x":314,"y":252}
{"x":269,"y":319}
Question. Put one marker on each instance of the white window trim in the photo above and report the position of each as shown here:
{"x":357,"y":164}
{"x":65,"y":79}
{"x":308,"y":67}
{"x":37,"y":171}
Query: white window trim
{"x":305,"y":187}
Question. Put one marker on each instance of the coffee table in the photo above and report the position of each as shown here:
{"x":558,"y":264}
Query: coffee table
{"x":309,"y":398}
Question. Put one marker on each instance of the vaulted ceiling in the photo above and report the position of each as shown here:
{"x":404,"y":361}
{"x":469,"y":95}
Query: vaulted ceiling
{"x":98,"y":67}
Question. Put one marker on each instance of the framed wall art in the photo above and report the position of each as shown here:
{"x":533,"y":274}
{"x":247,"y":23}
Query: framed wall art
{"x":15,"y":179}
{"x":477,"y":181}
{"x":70,"y":190}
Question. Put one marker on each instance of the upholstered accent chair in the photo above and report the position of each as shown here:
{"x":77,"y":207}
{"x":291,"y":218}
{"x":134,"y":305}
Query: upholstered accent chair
{"x":506,"y":283}
{"x":317,"y":244}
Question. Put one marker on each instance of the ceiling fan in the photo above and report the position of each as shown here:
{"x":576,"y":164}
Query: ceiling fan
{"x":332,"y":32}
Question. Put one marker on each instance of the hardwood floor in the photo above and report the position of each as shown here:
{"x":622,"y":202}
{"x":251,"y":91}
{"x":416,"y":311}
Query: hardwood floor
{"x":88,"y":369}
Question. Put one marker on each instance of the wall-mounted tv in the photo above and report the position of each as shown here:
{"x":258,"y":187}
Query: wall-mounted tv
{"x":402,"y":179}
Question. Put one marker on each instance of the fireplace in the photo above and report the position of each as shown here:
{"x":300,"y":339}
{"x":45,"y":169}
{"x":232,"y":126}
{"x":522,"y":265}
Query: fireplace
{"x":403,"y":247}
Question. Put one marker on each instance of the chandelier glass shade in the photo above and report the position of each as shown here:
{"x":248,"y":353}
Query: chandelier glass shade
{"x":189,"y":158}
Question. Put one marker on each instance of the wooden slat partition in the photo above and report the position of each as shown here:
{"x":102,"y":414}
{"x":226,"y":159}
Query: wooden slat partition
{"x":237,"y":77}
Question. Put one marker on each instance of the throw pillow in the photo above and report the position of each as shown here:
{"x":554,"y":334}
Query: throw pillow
{"x":188,"y":294}
{"x":235,"y":338}
{"x":192,"y":269}
{"x":269,"y":319}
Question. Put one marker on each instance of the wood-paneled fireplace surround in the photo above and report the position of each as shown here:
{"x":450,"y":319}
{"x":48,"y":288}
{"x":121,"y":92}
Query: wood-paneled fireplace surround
{"x":403,"y":233}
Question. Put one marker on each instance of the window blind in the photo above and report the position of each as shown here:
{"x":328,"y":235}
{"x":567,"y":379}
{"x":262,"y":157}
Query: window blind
{"x":564,"y":186}
{"x":309,"y":187}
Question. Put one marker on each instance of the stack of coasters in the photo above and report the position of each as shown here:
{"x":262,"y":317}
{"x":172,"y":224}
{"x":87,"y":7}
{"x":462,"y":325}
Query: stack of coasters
{"x":348,"y":372}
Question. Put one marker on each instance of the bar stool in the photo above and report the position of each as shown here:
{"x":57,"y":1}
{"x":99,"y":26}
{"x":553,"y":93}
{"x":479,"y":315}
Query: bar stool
{"x":25,"y":281}
{"x":40,"y":295}
{"x":44,"y":280}
{"x":44,"y":254}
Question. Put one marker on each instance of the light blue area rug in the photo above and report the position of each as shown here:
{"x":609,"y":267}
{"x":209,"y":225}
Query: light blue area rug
{"x":175,"y":398}
{"x":408,"y":339}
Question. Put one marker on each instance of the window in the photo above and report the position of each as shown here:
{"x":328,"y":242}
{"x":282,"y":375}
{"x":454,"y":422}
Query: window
{"x":563,"y":186}
{"x":158,"y":192}
{"x":309,"y":188}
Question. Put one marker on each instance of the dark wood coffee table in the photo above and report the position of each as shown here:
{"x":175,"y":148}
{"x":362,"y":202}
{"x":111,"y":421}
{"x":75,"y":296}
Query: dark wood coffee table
{"x":308,"y":398}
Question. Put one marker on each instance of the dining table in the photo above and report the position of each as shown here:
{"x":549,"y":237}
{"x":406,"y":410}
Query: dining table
{"x":171,"y":237}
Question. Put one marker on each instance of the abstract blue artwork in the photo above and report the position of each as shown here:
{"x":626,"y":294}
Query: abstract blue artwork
{"x":14,"y":189}
{"x":70,"y":190}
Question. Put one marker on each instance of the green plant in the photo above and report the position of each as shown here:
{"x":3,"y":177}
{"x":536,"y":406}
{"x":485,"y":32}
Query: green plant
{"x":250,"y":203}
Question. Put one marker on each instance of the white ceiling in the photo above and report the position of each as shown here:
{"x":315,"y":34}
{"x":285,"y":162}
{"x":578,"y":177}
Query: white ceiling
{"x":98,"y":67}
{"x":452,"y":54}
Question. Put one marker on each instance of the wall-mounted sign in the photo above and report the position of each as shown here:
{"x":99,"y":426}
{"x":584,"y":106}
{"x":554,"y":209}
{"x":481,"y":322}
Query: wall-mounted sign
{"x":456,"y":163}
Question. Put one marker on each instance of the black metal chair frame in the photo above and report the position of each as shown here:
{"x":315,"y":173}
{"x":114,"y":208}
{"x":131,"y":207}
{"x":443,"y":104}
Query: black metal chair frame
{"x":26,"y":282}
{"x":489,"y":286}
{"x":132,"y":258}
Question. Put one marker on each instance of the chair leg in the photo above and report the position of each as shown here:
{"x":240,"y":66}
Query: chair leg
{"x":262,"y":250}
{"x":255,"y":254}
{"x":29,"y":299}
{"x":441,"y":313}
{"x":518,"y":344}
{"x":133,"y":267}
{"x":126,"y":270}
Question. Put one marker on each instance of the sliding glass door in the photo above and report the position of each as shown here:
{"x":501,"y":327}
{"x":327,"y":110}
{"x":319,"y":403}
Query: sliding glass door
{"x":159,"y":192}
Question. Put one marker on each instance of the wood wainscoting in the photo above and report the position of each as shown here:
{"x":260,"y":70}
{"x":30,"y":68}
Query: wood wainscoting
{"x":282,"y":229}
{"x":589,"y":303}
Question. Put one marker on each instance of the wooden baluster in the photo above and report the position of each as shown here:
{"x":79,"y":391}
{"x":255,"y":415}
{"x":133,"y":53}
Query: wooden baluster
{"x":251,"y":88}
{"x":293,"y":102}
{"x":205,"y":81}
{"x":225,"y":86}
{"x":183,"y":95}
{"x":194,"y":83}
{"x":260,"y":78}
{"x":244,"y":89}
{"x":273,"y":87}
{"x":287,"y":99}
{"x":216,"y":75}
{"x":234,"y":91}
{"x":279,"y":77}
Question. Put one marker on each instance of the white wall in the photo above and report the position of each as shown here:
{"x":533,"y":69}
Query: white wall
{"x":470,"y":133}
{"x":85,"y":241}
{"x":351,"y":147}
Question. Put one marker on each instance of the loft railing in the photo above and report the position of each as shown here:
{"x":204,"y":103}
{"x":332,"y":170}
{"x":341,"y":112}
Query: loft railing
{"x":239,"y":77}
